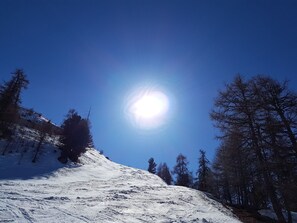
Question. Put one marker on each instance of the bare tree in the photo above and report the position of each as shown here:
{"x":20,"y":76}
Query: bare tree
{"x":263,"y":113}
{"x":44,"y":131}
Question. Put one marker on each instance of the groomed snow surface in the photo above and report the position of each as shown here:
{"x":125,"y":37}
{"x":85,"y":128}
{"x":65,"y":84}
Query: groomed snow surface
{"x":97,"y":190}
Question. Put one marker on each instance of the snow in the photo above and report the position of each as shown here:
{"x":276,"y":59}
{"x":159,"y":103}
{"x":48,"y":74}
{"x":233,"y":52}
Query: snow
{"x":96,"y":190}
{"x":30,"y":115}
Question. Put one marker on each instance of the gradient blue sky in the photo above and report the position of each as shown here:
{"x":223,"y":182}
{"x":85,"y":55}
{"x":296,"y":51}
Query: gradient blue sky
{"x":83,"y":53}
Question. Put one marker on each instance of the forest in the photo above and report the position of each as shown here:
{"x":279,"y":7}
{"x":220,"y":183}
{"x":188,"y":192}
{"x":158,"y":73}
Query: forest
{"x":255,"y":166}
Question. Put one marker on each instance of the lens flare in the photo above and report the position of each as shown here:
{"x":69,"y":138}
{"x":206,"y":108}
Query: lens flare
{"x":147,"y":108}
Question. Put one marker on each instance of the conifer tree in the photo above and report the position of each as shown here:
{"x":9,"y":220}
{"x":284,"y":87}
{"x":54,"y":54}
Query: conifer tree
{"x":183,"y":176}
{"x":203,"y":173}
{"x":10,"y":99}
{"x":164,"y":173}
{"x":152,"y":166}
{"x":75,"y":137}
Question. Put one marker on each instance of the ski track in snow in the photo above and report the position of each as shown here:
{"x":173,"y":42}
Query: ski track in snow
{"x":99,"y":190}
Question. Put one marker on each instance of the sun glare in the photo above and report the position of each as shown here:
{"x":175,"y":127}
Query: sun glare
{"x":152,"y":105}
{"x":148,"y":108}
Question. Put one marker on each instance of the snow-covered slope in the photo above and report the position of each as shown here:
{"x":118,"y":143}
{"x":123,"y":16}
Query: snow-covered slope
{"x":32,"y":116}
{"x":97,"y":190}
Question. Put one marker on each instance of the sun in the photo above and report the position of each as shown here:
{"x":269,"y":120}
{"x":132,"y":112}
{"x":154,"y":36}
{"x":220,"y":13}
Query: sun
{"x":151,"y":106}
{"x":148,"y":108}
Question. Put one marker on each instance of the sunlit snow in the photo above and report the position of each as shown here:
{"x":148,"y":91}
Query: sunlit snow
{"x":97,"y":190}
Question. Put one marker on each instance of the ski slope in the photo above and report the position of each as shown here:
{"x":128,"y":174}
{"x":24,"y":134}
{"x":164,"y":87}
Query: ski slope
{"x":96,"y":190}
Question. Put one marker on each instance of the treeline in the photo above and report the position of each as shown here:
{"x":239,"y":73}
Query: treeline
{"x":74,"y":134}
{"x":256,"y":163}
{"x":182,"y":176}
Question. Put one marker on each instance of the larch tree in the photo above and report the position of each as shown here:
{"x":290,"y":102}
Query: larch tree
{"x":10,"y":99}
{"x":203,"y":173}
{"x":183,"y":175}
{"x":257,"y":120}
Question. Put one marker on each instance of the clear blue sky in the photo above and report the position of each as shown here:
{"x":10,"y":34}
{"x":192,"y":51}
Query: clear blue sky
{"x":83,"y":53}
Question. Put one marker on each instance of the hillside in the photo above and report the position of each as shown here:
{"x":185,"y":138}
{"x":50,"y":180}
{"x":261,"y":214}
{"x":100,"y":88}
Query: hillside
{"x":96,"y":190}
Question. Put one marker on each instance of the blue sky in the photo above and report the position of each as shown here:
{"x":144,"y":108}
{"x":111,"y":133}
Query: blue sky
{"x":81,"y":54}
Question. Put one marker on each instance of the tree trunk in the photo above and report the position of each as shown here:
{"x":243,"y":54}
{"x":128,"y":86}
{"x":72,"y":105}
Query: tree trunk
{"x":265,"y":173}
{"x":288,"y":128}
{"x":270,"y":189}
{"x":38,"y":149}
{"x":6,"y":147}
